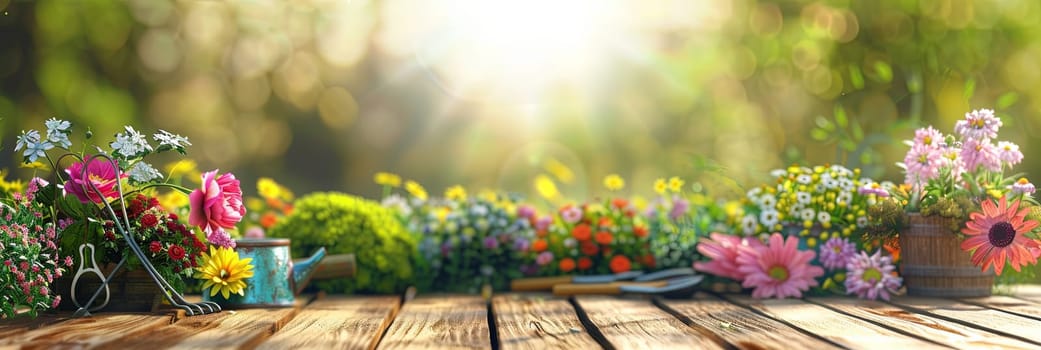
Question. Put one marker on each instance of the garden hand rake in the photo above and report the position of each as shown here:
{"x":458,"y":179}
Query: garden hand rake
{"x":122,"y":224}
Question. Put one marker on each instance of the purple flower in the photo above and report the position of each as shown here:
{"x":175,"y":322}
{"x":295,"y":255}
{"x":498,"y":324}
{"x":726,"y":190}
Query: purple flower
{"x":521,"y":245}
{"x":571,"y":214}
{"x":977,"y":153}
{"x":923,"y":164}
{"x":543,"y":223}
{"x":980,"y":124}
{"x":679,"y":208}
{"x":836,"y":253}
{"x":525,"y":211}
{"x":871,"y":277}
{"x":1009,"y":153}
{"x":491,"y":243}
{"x":544,"y":258}
{"x":220,"y":238}
{"x":1021,"y":186}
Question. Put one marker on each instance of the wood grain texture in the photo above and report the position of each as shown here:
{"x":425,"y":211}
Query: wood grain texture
{"x":88,"y":332}
{"x":739,"y":326}
{"x":638,"y":324}
{"x":228,"y":329}
{"x":938,"y":330}
{"x":338,"y":322}
{"x":440,"y":322}
{"x":841,"y":329}
{"x":539,"y":321}
{"x":10,"y":327}
{"x":978,"y":316}
{"x":1022,"y":307}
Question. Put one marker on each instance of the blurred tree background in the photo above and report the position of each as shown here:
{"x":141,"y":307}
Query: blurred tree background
{"x":322,"y":94}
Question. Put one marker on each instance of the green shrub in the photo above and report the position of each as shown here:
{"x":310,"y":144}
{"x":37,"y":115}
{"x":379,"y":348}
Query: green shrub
{"x":385,"y":252}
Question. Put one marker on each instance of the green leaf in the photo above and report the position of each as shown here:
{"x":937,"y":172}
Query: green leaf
{"x":856,"y":77}
{"x":824,"y":123}
{"x":858,"y":132}
{"x":848,"y":145}
{"x":914,"y":83}
{"x":819,"y":134}
{"x":970,"y":88}
{"x":840,"y":116}
{"x":884,"y":71}
{"x":1007,"y":100}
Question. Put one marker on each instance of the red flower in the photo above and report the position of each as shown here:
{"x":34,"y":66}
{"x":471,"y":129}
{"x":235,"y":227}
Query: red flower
{"x":582,"y":232}
{"x":585,"y":263}
{"x":604,"y":237}
{"x":588,"y":248}
{"x":539,"y":245}
{"x":640,"y":231}
{"x":155,"y":247}
{"x":606,"y":222}
{"x":648,"y":261}
{"x":619,"y":264}
{"x":268,"y":220}
{"x":176,"y":252}
{"x":149,"y":221}
{"x":619,"y":203}
{"x":567,"y":264}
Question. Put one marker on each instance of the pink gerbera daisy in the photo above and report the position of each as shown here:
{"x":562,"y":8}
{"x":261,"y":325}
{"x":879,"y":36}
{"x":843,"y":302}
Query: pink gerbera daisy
{"x":871,"y":277}
{"x":779,"y":269}
{"x":723,"y":250}
{"x":997,"y":235}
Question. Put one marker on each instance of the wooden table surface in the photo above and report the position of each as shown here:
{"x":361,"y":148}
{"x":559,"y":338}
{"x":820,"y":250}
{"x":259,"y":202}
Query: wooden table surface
{"x":538,"y":321}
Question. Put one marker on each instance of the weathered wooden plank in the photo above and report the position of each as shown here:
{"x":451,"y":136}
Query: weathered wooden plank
{"x":338,"y":322}
{"x":740,"y":326}
{"x":224,"y":330}
{"x":980,"y":317}
{"x":539,"y":321}
{"x":945,"y":332}
{"x":440,"y":322}
{"x":1025,"y":308}
{"x":841,"y":329}
{"x":1030,"y":292}
{"x":87,"y":332}
{"x":11,"y":327}
{"x":638,"y":324}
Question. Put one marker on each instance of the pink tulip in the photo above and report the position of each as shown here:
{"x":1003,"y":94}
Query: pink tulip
{"x":217,"y":205}
{"x":99,"y":172}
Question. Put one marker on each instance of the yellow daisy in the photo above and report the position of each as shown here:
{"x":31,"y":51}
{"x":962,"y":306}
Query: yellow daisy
{"x":614,"y":182}
{"x":546,"y":187}
{"x":675,"y":184}
{"x":416,"y":190}
{"x":660,"y":186}
{"x":222,"y":271}
{"x":388,"y":179}
{"x":456,"y":193}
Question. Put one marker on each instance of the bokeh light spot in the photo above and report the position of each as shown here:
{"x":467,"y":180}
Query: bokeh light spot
{"x":337,"y":108}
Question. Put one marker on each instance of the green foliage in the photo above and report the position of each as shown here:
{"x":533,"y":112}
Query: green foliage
{"x":385,"y":252}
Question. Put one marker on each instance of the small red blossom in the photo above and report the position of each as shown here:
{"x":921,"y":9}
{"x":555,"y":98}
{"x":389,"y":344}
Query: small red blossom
{"x":149,"y":220}
{"x":155,"y":247}
{"x":176,"y":252}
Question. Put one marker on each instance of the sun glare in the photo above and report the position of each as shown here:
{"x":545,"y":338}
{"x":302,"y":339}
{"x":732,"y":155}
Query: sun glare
{"x":515,"y":51}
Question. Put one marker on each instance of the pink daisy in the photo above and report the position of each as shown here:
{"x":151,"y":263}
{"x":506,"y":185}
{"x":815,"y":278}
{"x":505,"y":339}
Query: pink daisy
{"x":1021,"y":186}
{"x":1009,"y":153}
{"x":923,"y":164}
{"x":996,"y":235}
{"x":836,"y":253}
{"x":980,"y":124}
{"x":871,"y":277}
{"x":779,"y":269}
{"x":723,"y":250}
{"x":929,"y":137}
{"x":977,"y":153}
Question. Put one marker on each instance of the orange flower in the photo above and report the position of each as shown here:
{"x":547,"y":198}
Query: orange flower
{"x":997,"y":234}
{"x":539,"y":245}
{"x":619,"y":264}
{"x":567,"y":264}
{"x":588,"y":248}
{"x":640,"y":231}
{"x":619,"y":203}
{"x":892,"y":245}
{"x":606,"y":222}
{"x":268,"y":219}
{"x":582,"y":232}
{"x":541,"y":233}
{"x":585,"y":263}
{"x":604,"y":237}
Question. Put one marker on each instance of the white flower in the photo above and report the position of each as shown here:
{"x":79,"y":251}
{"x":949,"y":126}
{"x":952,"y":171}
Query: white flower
{"x":778,"y":173}
{"x":846,"y":184}
{"x":844,"y":198}
{"x":34,"y":147}
{"x":754,"y":193}
{"x":767,"y":201}
{"x":56,"y":125}
{"x":165,"y":138}
{"x":829,"y":183}
{"x":803,"y":197}
{"x":804,"y":179}
{"x":58,"y":132}
{"x":748,"y":224}
{"x":807,"y":214}
{"x":823,"y":217}
{"x":397,"y":202}
{"x":862,"y":221}
{"x":570,"y":242}
{"x":130,"y":143}
{"x":768,"y":218}
{"x":479,"y":210}
{"x":27,"y":139}
{"x":143,"y":172}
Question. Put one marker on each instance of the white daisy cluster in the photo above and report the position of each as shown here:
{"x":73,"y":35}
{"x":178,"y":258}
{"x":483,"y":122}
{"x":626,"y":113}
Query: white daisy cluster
{"x":804,"y":201}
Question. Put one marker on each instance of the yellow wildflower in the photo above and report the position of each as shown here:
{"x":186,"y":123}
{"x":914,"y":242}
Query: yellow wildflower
{"x":455,"y":193}
{"x":223,"y":271}
{"x":268,"y":188}
{"x":559,"y":170}
{"x":173,"y":200}
{"x":614,"y":182}
{"x":15,"y":186}
{"x":387,"y":179}
{"x":675,"y":184}
{"x":546,"y":187}
{"x":38,"y":165}
{"x":416,"y":190}
{"x":660,"y":186}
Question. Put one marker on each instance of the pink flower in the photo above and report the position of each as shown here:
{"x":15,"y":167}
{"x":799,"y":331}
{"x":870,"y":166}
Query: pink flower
{"x":929,"y":137}
{"x":217,"y":205}
{"x":254,"y":232}
{"x":723,"y":250}
{"x":836,"y":252}
{"x":979,"y":125}
{"x":100,"y":173}
{"x":571,"y":214}
{"x":977,"y":154}
{"x":1009,"y":153}
{"x":779,"y":269}
{"x":923,"y":164}
{"x":871,"y":277}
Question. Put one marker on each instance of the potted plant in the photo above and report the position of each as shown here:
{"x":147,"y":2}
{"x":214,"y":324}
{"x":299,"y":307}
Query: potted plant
{"x":958,"y":217}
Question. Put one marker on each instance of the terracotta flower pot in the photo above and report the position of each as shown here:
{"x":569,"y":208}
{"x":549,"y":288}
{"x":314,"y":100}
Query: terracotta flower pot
{"x":933,"y":263}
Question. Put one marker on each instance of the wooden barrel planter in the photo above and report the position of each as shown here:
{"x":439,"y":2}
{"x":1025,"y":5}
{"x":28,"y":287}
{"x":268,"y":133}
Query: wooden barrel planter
{"x":933,"y":263}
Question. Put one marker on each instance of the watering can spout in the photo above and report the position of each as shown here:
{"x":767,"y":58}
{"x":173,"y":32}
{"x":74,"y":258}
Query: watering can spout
{"x":304,"y":270}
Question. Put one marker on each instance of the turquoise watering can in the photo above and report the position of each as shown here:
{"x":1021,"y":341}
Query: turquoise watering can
{"x":276,"y":280}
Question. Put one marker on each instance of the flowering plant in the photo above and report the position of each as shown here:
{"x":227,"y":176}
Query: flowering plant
{"x":275,"y":201}
{"x":29,"y":257}
{"x":678,"y":220}
{"x":101,"y":188}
